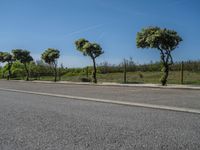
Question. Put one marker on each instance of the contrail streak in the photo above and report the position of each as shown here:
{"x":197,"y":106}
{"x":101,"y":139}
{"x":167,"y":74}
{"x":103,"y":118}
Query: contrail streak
{"x":85,"y":29}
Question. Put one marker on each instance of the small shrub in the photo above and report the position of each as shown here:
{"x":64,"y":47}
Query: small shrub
{"x":83,"y":79}
{"x":140,"y":75}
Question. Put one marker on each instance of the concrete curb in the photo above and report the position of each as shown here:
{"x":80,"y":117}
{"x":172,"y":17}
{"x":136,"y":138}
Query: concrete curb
{"x":172,"y":86}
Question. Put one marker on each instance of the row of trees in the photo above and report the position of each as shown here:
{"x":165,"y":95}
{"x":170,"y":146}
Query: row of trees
{"x":164,"y":40}
{"x":51,"y":56}
{"x":37,"y":70}
{"x":40,"y":70}
{"x":20,"y":55}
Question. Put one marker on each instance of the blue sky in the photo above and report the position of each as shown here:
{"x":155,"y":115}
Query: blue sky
{"x":39,"y":24}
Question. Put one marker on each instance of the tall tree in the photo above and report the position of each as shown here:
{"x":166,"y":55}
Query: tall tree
{"x":1,"y":61}
{"x":7,"y":57}
{"x":93,"y":50}
{"x":163,"y":40}
{"x":50,"y":56}
{"x":25,"y":58}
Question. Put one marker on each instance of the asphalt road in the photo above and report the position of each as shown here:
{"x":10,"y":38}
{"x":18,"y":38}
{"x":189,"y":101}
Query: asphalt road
{"x":168,"y":97}
{"x":33,"y":122}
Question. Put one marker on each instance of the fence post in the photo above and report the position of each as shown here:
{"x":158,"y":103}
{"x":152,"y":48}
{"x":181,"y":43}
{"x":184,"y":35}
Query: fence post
{"x":59,"y":74}
{"x":125,"y":71}
{"x":87,"y":74}
{"x":182,"y":68}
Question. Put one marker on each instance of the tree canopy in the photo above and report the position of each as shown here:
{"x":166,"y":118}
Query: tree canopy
{"x":1,"y":56}
{"x":161,"y":39}
{"x":50,"y":55}
{"x":22,"y":55}
{"x":93,"y":50}
{"x":7,"y":57}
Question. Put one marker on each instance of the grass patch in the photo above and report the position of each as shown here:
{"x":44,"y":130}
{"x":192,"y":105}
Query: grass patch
{"x":132,"y":77}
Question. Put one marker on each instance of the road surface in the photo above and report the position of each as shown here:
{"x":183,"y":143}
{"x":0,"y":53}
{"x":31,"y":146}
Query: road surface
{"x":168,"y":97}
{"x":36,"y":122}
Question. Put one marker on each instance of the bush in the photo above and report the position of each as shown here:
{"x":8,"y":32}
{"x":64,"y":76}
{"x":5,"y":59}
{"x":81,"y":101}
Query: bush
{"x":83,"y":79}
{"x":141,"y":76}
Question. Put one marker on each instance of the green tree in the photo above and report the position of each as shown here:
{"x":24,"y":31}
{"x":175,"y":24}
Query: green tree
{"x":163,"y":40}
{"x":50,"y":56}
{"x":1,"y":61}
{"x":1,"y":57}
{"x":93,"y":50}
{"x":8,"y":58}
{"x":18,"y":71}
{"x":25,"y":58}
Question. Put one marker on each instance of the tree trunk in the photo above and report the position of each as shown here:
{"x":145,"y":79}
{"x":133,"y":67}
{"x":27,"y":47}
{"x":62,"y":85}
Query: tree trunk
{"x":164,"y":77}
{"x":9,"y":73}
{"x":55,"y":73}
{"x":94,"y":71}
{"x":182,"y":67}
{"x":27,"y":72}
{"x":165,"y":56}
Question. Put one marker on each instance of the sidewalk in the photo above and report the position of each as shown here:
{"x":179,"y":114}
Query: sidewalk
{"x":169,"y":86}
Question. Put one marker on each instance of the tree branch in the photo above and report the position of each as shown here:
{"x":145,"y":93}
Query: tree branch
{"x":162,"y":56}
{"x":171,"y":59}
